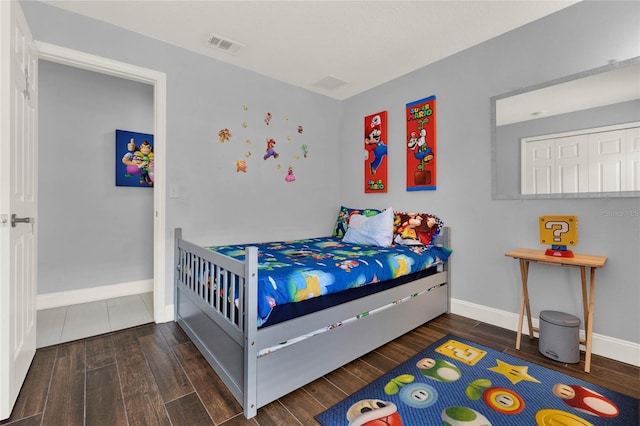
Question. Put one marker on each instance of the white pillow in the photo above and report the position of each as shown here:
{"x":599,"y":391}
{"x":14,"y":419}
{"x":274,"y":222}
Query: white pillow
{"x":371,"y":231}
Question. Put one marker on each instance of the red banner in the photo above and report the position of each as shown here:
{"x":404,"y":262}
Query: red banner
{"x":421,"y":144}
{"x":375,"y":145}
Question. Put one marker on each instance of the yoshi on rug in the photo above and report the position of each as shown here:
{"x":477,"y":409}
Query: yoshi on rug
{"x":455,"y":382}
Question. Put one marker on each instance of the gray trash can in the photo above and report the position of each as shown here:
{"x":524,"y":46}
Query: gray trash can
{"x":559,"y":336}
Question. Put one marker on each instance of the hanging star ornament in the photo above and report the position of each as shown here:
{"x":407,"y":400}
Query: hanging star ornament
{"x":515,"y":373}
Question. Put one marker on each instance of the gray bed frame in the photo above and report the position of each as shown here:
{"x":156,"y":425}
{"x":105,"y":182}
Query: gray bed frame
{"x":230,"y":339}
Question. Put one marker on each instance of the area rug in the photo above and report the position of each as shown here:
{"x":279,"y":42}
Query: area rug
{"x":456,"y":382}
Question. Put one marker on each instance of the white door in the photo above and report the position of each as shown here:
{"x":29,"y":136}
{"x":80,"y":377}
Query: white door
{"x":18,"y":196}
{"x":633,"y":159}
{"x":572,"y":164}
{"x":607,"y":170}
{"x":538,"y":171}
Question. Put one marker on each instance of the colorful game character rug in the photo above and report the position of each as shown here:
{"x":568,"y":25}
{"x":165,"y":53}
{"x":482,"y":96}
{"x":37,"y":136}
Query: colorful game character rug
{"x":455,"y":382}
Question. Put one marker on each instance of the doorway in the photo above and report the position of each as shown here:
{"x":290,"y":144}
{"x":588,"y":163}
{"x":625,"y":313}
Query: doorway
{"x":95,"y":221}
{"x":69,"y":57}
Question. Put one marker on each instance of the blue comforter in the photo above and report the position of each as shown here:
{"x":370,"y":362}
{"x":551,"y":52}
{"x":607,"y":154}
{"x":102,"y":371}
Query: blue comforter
{"x":290,"y":271}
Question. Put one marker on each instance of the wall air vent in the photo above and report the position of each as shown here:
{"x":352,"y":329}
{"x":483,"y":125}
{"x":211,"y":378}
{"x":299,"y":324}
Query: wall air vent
{"x":224,"y":44}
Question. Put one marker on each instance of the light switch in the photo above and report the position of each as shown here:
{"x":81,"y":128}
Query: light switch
{"x":174,"y":191}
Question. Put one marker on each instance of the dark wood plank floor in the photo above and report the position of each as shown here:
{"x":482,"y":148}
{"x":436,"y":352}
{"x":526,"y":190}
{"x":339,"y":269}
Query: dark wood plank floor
{"x":154,"y":375}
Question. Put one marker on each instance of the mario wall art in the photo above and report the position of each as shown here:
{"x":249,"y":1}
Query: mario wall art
{"x":375,"y":152}
{"x":421,"y":144}
{"x":134,"y":159}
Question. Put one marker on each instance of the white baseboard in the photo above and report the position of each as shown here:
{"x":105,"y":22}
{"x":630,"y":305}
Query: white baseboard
{"x":609,"y":347}
{"x":92,"y":294}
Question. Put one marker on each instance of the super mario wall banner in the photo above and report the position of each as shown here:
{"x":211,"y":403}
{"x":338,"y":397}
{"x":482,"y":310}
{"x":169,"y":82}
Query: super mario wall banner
{"x":134,"y":159}
{"x":375,"y":145}
{"x":421,"y":144}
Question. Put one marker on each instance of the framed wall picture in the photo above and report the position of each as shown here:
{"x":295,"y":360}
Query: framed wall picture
{"x":375,"y":145}
{"x":134,"y":159}
{"x":421,"y":144}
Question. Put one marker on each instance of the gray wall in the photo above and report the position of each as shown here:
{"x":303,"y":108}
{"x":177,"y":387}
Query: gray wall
{"x":91,"y":232}
{"x":216,"y":204}
{"x":205,"y":95}
{"x":581,"y":37}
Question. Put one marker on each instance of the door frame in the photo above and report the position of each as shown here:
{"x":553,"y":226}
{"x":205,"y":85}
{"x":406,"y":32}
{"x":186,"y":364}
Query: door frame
{"x":85,"y":61}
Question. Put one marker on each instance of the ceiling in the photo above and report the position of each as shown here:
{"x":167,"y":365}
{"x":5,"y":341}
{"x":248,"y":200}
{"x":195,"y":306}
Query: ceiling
{"x":335,"y":48}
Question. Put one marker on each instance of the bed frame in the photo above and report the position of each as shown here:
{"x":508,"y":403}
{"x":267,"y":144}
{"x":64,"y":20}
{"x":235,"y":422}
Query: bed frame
{"x":230,"y":340}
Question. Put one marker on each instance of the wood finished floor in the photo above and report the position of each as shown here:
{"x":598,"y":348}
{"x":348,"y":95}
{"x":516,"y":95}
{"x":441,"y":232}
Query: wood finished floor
{"x":154,"y":375}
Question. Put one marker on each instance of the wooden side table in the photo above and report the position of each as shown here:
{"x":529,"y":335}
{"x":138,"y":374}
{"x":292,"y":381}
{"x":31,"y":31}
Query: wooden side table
{"x":582,"y":261}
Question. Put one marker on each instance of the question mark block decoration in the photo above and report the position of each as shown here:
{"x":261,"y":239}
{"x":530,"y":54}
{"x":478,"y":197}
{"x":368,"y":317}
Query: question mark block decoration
{"x":560,"y":232}
{"x":462,"y":352}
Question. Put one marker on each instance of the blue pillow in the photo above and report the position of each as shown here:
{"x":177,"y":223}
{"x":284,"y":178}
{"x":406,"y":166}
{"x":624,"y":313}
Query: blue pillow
{"x":371,"y":231}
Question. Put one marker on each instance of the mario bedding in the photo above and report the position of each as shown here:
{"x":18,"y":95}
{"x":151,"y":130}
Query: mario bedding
{"x":291,"y":271}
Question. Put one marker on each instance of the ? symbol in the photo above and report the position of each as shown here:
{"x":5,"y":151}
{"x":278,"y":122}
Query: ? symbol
{"x":467,"y":354}
{"x":557,"y":232}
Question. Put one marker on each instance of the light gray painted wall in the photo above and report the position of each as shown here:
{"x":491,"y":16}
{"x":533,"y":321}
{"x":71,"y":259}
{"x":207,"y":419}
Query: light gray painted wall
{"x":581,"y":37}
{"x":216,"y":204}
{"x":91,"y":232}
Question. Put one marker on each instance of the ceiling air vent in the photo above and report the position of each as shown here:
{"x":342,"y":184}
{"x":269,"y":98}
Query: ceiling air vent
{"x":224,"y":44}
{"x":330,"y":83}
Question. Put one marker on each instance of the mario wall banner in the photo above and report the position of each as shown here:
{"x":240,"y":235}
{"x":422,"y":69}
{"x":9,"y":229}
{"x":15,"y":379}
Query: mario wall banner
{"x":375,"y":145}
{"x":421,"y":144}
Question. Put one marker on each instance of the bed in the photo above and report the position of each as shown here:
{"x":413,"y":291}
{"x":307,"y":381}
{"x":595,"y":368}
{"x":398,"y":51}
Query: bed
{"x":261,"y":358}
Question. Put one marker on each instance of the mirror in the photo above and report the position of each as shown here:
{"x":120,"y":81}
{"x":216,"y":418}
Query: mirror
{"x":604,"y":98}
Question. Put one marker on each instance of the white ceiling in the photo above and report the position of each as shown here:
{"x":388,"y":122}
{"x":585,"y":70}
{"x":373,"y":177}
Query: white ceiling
{"x":308,"y":43}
